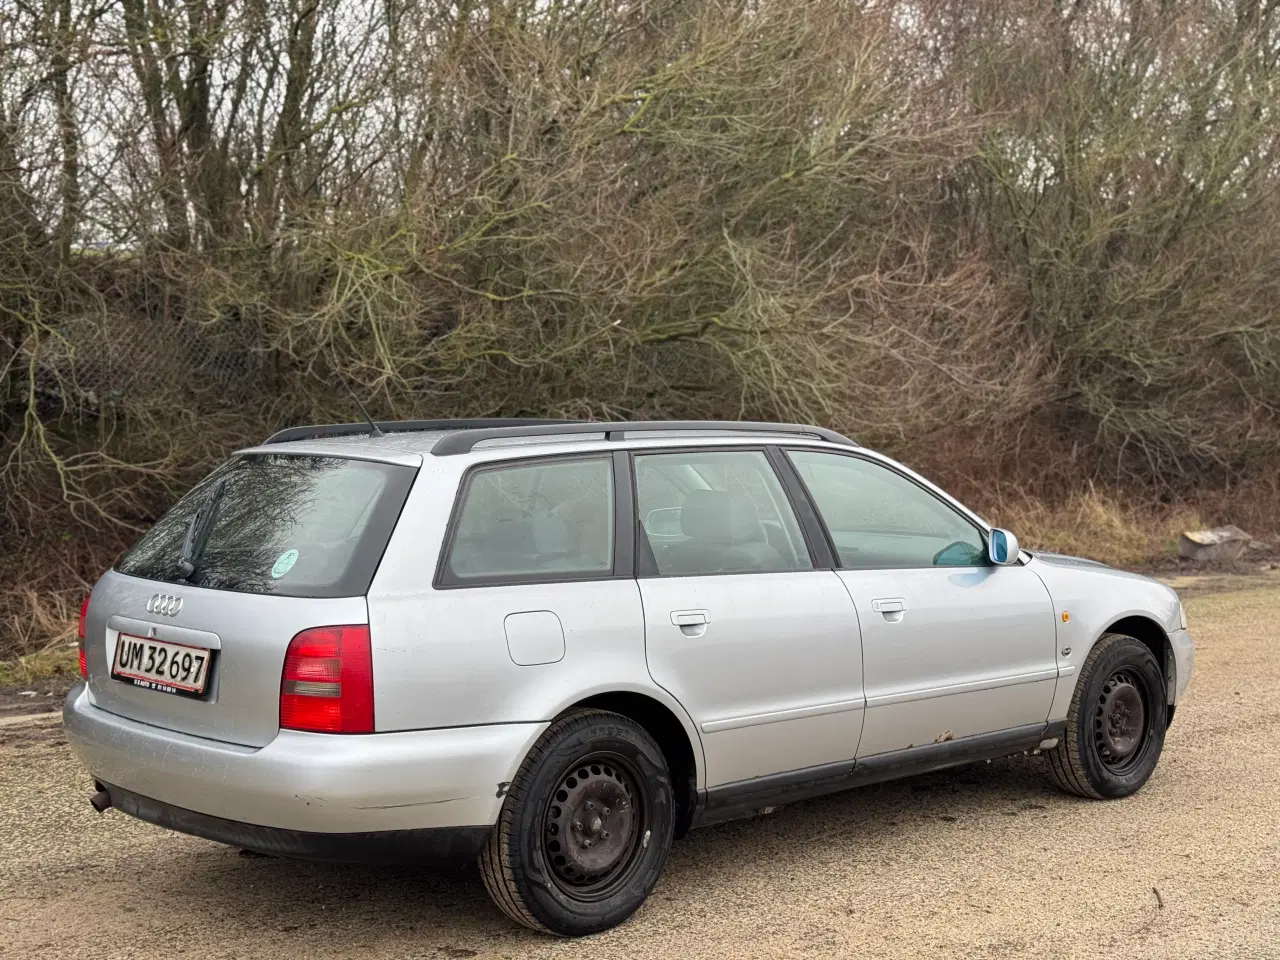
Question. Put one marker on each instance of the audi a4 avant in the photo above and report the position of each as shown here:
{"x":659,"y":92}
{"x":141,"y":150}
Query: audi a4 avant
{"x":554,"y":647}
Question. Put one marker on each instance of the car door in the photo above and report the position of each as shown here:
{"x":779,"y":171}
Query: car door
{"x":761,"y":648}
{"x":953,"y":646}
{"x":534,"y":598}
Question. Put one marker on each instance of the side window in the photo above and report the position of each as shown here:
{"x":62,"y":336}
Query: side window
{"x":709,"y":512}
{"x":535,"y":520}
{"x":881,"y":520}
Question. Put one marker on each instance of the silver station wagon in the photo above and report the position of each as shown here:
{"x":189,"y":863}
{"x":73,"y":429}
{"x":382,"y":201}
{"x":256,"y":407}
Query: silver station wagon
{"x":551,"y":648}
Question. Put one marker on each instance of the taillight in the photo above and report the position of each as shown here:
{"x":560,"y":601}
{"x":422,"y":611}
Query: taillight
{"x":84,"y":664}
{"x":327,"y":685}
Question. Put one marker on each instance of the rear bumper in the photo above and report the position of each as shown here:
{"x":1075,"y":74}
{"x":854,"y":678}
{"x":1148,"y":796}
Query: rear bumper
{"x":443,"y":847}
{"x":304,"y":782}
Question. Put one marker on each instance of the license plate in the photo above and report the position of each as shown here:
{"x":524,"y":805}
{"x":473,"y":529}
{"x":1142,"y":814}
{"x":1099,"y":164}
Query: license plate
{"x":158,"y":665}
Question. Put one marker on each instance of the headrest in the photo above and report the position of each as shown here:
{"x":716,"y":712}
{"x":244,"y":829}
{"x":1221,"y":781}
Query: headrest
{"x":584,"y":510}
{"x":586,"y":523}
{"x":720,"y":516}
{"x":509,"y":531}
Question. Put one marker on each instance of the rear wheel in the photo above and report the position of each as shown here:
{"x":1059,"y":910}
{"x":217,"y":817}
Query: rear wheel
{"x":1116,"y":722}
{"x":586,"y":827}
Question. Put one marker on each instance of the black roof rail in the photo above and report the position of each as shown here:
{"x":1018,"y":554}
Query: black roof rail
{"x":405,"y":426}
{"x":463,"y":441}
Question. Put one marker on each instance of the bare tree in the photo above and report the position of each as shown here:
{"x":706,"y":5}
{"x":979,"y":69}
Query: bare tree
{"x":995,"y":236}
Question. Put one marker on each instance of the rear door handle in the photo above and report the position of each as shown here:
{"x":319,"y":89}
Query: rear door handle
{"x":690,"y":618}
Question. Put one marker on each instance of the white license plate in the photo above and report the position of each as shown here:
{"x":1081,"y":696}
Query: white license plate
{"x":157,"y":665}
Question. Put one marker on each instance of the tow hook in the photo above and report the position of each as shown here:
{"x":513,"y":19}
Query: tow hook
{"x":100,"y":800}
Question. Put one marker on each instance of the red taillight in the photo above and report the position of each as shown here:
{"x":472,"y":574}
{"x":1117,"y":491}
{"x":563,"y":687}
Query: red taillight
{"x":327,"y":685}
{"x":84,"y":665}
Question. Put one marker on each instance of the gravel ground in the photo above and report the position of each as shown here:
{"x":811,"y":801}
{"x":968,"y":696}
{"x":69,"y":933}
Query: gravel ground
{"x":987,"y":861}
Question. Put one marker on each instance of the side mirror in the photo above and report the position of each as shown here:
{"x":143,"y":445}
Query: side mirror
{"x":1002,"y":548}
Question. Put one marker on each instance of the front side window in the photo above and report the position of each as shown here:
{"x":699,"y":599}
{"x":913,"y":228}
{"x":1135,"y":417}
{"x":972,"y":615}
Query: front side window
{"x":537,"y":521}
{"x":881,"y":520}
{"x":716,"y":512}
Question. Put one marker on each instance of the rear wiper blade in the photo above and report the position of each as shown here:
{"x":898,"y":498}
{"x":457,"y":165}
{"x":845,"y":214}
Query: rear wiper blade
{"x":185,"y":565}
{"x":198,"y":532}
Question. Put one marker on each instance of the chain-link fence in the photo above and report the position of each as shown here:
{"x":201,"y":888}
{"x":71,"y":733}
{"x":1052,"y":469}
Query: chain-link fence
{"x":86,"y":364}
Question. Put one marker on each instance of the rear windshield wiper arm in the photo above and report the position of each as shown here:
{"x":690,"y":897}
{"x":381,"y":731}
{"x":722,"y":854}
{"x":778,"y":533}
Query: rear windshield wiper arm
{"x":198,"y":532}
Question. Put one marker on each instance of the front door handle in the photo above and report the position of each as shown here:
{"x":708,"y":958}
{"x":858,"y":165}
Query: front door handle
{"x":690,"y":618}
{"x":892,"y":608}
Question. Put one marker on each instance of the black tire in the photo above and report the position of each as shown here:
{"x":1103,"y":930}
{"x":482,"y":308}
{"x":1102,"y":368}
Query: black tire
{"x":552,"y":862}
{"x":1116,"y":722}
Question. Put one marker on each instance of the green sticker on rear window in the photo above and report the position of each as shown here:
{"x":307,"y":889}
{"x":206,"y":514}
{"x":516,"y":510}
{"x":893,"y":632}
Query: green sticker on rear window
{"x":284,"y":563}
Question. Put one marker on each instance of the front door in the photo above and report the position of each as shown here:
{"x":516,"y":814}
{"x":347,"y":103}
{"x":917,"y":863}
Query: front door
{"x":953,"y":647}
{"x":760,"y":648}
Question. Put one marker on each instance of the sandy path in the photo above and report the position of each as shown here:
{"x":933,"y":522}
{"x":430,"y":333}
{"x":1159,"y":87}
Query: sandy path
{"x":983,"y":862}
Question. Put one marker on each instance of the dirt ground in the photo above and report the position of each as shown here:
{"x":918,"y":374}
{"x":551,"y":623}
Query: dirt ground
{"x":987,"y":861}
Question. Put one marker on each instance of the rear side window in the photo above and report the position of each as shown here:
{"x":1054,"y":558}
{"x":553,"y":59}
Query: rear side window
{"x":709,"y":512}
{"x":297,"y":526}
{"x":534,"y":521}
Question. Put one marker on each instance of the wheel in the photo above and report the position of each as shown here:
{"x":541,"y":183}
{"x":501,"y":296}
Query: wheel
{"x":586,"y":827}
{"x":1116,"y":722}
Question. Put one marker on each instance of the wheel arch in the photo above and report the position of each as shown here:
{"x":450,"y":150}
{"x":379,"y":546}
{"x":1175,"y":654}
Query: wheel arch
{"x":1149,"y":633}
{"x":666,"y":728}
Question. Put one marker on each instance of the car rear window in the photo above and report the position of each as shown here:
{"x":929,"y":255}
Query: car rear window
{"x":297,"y":526}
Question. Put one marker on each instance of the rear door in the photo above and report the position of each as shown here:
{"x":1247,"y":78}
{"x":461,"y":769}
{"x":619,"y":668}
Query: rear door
{"x":760,"y":646}
{"x":533,"y":605}
{"x":291,"y":542}
{"x":953,"y":647}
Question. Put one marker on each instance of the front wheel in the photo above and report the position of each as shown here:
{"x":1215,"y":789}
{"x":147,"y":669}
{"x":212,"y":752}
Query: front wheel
{"x":1116,"y":722}
{"x":585,"y":829}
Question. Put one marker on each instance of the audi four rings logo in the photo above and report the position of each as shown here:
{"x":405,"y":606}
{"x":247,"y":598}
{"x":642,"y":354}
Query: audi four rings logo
{"x":164,"y":605}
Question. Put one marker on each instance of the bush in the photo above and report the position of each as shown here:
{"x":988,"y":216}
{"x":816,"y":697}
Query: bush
{"x":1027,"y":247}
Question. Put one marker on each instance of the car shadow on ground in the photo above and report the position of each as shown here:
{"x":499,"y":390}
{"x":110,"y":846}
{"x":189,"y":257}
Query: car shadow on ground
{"x":260,"y":894}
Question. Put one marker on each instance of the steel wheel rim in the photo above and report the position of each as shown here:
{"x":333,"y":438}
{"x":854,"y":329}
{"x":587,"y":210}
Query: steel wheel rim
{"x":1121,"y":720}
{"x":595,"y":826}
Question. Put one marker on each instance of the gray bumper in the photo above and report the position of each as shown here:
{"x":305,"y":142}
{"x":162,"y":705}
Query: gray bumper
{"x":306,"y":782}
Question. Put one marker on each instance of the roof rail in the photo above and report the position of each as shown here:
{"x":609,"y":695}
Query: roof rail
{"x":405,"y":426}
{"x":463,"y":441}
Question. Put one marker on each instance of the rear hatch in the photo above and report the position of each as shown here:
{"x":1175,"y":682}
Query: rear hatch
{"x":279,"y":543}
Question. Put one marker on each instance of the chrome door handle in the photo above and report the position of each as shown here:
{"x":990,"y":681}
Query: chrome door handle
{"x":690,"y":618}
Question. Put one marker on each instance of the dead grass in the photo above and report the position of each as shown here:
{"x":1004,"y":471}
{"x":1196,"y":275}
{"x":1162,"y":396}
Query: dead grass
{"x":42,"y":628}
{"x":1098,"y":526}
{"x":57,"y":660}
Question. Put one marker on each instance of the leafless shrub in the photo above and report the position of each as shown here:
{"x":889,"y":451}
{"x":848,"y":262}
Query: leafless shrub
{"x":1027,"y":246}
